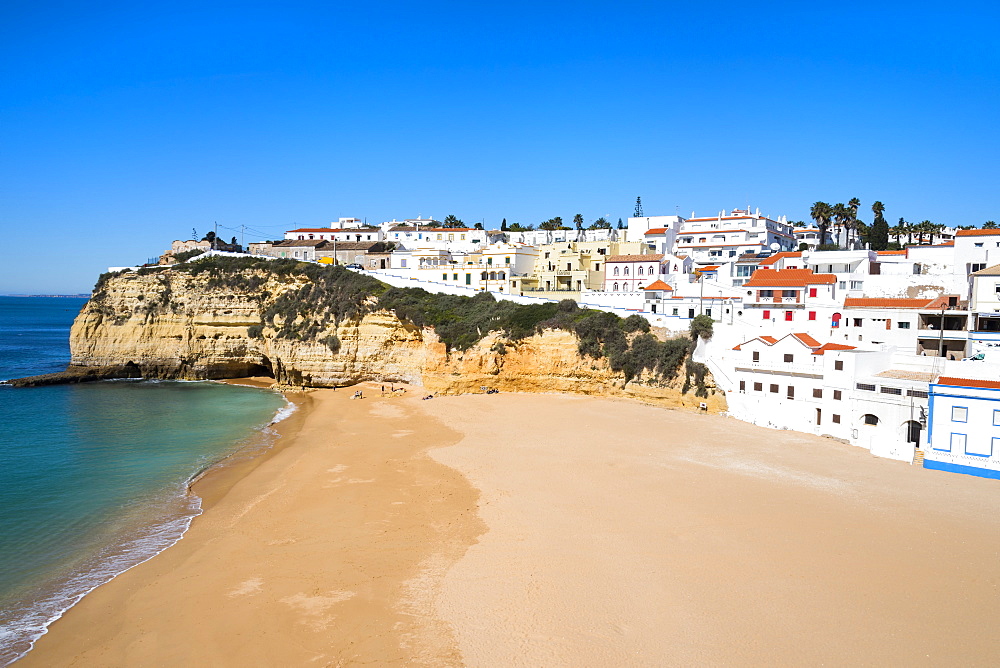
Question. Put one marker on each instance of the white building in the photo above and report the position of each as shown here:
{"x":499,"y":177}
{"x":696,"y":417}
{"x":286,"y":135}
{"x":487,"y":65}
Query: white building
{"x":630,"y":273}
{"x":458,"y":239}
{"x":965,"y":426}
{"x":789,"y":299}
{"x":726,"y":237}
{"x":355,"y":234}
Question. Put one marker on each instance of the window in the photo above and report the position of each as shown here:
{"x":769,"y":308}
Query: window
{"x":842,"y":284}
{"x":978,"y":266}
{"x":641,"y":271}
{"x":959,"y":414}
{"x":756,"y":356}
{"x":857,"y":322}
{"x":625,"y":271}
{"x":838,"y":365}
{"x":836,"y":395}
{"x":903,"y":325}
{"x":979,"y":245}
{"x":767,"y":314}
{"x":690,"y":312}
{"x":454,"y":277}
{"x":817,"y":393}
{"x":616,"y":268}
{"x":996,"y":418}
{"x":788,"y":315}
{"x":857,"y":285}
{"x":708,"y":312}
{"x":921,"y":394}
{"x":791,"y":294}
{"x":758,"y":387}
{"x":743,"y":386}
{"x":871,"y":419}
{"x":891,"y":390}
{"x":674,"y":313}
{"x":506,"y":260}
{"x":812,"y":315}
{"x":812,"y":292}
{"x":789,"y":358}
{"x":616,"y":287}
{"x":774,"y":389}
{"x":468,"y":279}
{"x":836,"y":419}
{"x":444,"y":277}
{"x":866,"y":387}
{"x":767,"y":293}
{"x":791,"y":391}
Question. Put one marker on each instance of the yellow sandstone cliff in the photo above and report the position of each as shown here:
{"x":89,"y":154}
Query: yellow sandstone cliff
{"x":173,"y":325}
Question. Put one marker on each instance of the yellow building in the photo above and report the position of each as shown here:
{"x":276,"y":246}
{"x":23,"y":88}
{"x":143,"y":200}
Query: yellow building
{"x":573,"y":266}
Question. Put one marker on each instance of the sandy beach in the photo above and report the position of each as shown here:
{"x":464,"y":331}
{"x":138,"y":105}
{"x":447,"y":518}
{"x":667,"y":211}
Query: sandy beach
{"x":551,"y":530}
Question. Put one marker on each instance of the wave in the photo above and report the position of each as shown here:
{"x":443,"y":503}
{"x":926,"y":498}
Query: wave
{"x":21,"y":625}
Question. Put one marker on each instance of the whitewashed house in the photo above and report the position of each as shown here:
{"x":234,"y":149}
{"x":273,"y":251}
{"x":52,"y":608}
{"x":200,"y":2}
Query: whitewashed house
{"x":965,"y":426}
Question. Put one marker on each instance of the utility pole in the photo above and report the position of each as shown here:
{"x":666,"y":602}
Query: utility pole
{"x":701,"y":298}
{"x":242,"y":230}
{"x":941,"y":335}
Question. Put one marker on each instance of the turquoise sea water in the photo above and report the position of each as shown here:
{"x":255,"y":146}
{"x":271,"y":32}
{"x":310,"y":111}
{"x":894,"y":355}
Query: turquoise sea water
{"x":93,"y":477}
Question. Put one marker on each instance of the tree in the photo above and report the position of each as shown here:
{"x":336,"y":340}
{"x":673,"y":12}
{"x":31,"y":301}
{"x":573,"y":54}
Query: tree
{"x":854,"y":204}
{"x":479,"y":226}
{"x":922,"y":228}
{"x":620,"y":225}
{"x":878,"y":239}
{"x":503,"y":225}
{"x":451,"y":221}
{"x":821,"y":212}
{"x":210,"y":237}
{"x":578,"y":220}
{"x":841,"y":218}
{"x":989,"y":225}
{"x":601,"y":224}
{"x":233,"y":242}
{"x":803,"y":246}
{"x":194,"y":233}
{"x":551,"y":224}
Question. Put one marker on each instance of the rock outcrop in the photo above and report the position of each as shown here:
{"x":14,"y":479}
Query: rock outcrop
{"x":174,"y":325}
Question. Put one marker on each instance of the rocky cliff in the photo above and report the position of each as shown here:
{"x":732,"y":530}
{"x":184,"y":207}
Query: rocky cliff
{"x":175,"y":325}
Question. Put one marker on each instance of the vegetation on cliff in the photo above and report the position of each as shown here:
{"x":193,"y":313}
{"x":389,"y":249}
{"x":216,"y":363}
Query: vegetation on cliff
{"x":321,"y":297}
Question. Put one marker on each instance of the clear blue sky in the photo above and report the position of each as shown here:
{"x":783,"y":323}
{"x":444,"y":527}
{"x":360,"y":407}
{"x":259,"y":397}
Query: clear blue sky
{"x":124,"y":126}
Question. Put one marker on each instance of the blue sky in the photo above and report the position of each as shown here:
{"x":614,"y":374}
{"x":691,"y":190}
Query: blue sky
{"x":124,"y":126}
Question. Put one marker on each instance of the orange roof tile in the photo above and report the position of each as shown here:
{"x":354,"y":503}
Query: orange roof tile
{"x":791,"y":278}
{"x":768,"y":338}
{"x":711,"y":267}
{"x":969,"y":382}
{"x":808,"y":340}
{"x":976,"y":233}
{"x":658,"y":285}
{"x":657,"y":230}
{"x":652,"y":257}
{"x":832,"y":346}
{"x":777,"y":256}
{"x":899,"y":252}
{"x":886,"y":302}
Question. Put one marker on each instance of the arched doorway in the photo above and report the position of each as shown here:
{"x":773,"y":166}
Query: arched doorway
{"x":836,"y":320}
{"x":912,"y":429}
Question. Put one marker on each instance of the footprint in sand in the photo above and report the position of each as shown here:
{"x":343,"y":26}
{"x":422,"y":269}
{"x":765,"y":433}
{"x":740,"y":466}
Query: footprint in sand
{"x":251,"y":586}
{"x":337,"y":469}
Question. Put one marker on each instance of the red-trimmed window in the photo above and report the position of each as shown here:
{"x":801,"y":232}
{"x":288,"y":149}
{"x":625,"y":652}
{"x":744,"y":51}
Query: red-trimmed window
{"x":812,"y":293}
{"x":812,"y":315}
{"x":767,"y":314}
{"x":788,"y":315}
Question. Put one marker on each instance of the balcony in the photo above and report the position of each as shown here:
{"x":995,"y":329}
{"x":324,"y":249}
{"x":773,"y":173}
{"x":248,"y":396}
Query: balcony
{"x":782,"y":369}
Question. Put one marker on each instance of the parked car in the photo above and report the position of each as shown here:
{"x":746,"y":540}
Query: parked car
{"x":354,"y":265}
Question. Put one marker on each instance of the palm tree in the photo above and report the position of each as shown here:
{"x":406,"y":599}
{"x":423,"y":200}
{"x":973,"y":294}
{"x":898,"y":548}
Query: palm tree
{"x":898,"y":230}
{"x":842,"y":219}
{"x":821,"y":213}
{"x":854,"y":205}
{"x":578,"y":219}
{"x":989,"y":225}
{"x":924,"y":227}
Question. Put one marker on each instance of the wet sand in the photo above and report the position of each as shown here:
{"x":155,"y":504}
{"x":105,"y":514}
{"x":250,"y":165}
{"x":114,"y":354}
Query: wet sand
{"x":530,"y":530}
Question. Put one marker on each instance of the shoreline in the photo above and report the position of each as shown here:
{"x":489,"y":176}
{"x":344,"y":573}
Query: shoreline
{"x":229,"y":491}
{"x":197,"y":493}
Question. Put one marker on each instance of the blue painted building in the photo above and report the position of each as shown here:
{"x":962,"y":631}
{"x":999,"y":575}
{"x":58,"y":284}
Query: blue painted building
{"x":964,"y":426}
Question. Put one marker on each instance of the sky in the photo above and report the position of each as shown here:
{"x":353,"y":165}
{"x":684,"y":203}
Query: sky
{"x":124,"y":126}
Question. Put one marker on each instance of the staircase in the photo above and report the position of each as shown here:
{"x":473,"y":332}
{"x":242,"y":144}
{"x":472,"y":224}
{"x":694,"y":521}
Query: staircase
{"x":918,"y":458}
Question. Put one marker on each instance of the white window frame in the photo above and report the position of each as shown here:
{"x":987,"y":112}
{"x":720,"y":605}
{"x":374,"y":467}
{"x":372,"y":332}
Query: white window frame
{"x":959,"y":414}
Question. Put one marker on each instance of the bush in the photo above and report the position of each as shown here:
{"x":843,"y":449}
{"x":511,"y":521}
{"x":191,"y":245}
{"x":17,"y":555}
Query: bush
{"x":701,"y":327}
{"x":187,"y":255}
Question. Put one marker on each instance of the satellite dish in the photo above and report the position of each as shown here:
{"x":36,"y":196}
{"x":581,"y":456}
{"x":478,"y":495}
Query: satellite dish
{"x":775,"y":246}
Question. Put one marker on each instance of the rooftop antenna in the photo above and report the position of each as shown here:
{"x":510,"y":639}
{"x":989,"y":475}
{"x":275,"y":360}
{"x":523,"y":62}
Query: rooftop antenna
{"x":638,"y":207}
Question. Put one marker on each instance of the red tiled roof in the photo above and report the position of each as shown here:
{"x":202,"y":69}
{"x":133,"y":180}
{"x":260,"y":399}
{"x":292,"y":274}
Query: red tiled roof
{"x":767,"y":278}
{"x":777,"y":256}
{"x":652,"y":257}
{"x":899,"y":252}
{"x":976,"y":233}
{"x":832,"y":346}
{"x":808,"y":340}
{"x":896,"y":302}
{"x":711,"y":267}
{"x":969,"y":382}
{"x":657,"y":230}
{"x":768,"y":338}
{"x":658,"y":285}
{"x":312,"y":229}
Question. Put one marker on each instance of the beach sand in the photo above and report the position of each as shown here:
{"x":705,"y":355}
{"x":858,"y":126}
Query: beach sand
{"x":551,"y":530}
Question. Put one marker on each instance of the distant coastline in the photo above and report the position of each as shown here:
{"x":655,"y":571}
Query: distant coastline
{"x":84,"y":296}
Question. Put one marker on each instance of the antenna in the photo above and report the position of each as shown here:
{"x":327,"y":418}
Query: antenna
{"x":638,"y":207}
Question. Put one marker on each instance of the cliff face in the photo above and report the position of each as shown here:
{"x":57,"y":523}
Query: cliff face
{"x":174,"y":325}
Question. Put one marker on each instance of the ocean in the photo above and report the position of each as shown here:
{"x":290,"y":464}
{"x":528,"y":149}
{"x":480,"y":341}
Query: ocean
{"x":94,"y":477}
